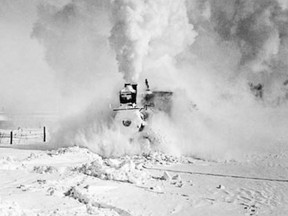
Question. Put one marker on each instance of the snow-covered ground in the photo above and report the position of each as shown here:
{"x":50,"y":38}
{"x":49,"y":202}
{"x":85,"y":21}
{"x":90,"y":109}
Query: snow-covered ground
{"x":75,"y":181}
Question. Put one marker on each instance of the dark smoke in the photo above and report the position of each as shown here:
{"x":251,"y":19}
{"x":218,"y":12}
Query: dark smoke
{"x":254,"y":32}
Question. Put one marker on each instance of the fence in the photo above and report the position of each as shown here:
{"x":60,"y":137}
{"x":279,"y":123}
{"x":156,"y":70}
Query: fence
{"x":23,"y":136}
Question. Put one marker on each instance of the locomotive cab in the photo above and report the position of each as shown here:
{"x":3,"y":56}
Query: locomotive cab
{"x":128,"y":95}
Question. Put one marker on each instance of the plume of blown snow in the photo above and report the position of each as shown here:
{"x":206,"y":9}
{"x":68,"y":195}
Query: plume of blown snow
{"x":206,"y":56}
{"x":94,"y":129}
{"x":256,"y":30}
{"x":150,"y":31}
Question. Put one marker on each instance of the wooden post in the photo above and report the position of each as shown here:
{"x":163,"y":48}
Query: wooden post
{"x":11,"y":137}
{"x":44,"y":134}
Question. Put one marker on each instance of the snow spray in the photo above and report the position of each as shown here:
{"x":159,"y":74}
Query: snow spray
{"x":209,"y":53}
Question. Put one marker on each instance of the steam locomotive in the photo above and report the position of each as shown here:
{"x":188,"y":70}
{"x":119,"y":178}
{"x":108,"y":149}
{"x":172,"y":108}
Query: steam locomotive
{"x":132,"y":117}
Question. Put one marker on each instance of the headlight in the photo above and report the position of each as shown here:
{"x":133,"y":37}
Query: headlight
{"x":126,"y":123}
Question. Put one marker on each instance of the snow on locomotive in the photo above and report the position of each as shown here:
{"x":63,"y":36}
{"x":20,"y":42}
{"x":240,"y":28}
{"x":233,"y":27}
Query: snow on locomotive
{"x":131,"y":118}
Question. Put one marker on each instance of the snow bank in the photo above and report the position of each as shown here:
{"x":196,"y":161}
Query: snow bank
{"x":92,"y":207}
{"x":116,"y":170}
{"x":10,"y":209}
{"x":10,"y":163}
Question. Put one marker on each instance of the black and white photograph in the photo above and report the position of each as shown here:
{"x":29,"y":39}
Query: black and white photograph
{"x":143,"y":107}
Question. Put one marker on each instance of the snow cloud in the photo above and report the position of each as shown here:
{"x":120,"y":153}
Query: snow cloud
{"x":75,"y":39}
{"x":206,"y":52}
{"x":255,"y":30}
{"x":26,"y":83}
{"x":212,"y":53}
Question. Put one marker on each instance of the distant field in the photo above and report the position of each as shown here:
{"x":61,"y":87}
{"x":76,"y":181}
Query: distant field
{"x":22,"y":136}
